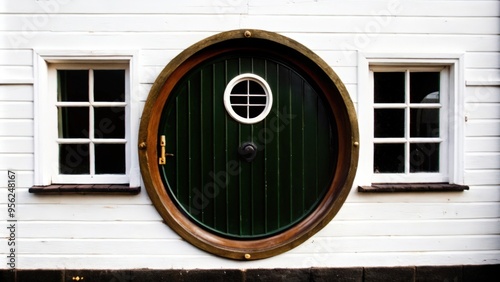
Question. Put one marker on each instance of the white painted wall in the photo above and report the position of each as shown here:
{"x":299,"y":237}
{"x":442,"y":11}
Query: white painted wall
{"x":113,"y":232}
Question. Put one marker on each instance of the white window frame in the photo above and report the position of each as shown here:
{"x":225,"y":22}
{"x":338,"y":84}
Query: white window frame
{"x":268,"y":94}
{"x":46,"y":122}
{"x":452,"y":151}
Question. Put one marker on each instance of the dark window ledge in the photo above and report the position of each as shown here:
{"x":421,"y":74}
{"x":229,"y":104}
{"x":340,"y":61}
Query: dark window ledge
{"x":413,"y":187}
{"x":85,"y":189}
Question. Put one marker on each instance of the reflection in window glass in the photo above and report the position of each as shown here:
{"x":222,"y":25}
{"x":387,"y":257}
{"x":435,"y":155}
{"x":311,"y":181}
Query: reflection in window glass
{"x":424,"y":157}
{"x":424,"y":87}
{"x":424,"y":123}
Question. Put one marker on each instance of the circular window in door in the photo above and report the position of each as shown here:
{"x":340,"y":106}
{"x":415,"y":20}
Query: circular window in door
{"x":248,"y":98}
{"x":248,"y":144}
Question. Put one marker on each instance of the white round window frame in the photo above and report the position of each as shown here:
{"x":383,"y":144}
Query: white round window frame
{"x":262,"y":83}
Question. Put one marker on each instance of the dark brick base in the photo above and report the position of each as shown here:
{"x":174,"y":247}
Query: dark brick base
{"x":465,"y":273}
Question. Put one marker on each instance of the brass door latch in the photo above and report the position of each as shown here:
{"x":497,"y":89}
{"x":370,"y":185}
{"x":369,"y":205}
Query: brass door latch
{"x":163,"y":155}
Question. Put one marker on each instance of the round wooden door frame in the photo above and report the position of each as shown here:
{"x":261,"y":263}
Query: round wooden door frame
{"x":344,"y":117}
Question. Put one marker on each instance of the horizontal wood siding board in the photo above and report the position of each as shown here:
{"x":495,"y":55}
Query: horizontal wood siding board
{"x":153,"y":247}
{"x":482,"y":143}
{"x":203,"y":261}
{"x":278,"y":23}
{"x":16,"y":93}
{"x":316,"y":41}
{"x":280,"y":7}
{"x":413,"y":211}
{"x":16,"y":144}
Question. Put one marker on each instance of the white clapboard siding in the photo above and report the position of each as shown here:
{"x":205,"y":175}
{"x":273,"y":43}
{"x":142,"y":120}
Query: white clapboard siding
{"x":483,"y":128}
{"x":284,"y":23}
{"x":371,"y":229}
{"x":16,"y":110}
{"x":483,"y":94}
{"x":482,"y":161}
{"x":16,"y":58}
{"x":316,"y":41}
{"x":414,"y":211}
{"x":337,"y":228}
{"x":75,"y":212}
{"x":475,"y":194}
{"x":16,"y":144}
{"x":16,"y":92}
{"x":483,"y":60}
{"x":482,"y":177}
{"x":332,"y":244}
{"x":484,"y":144}
{"x":277,"y":7}
{"x":455,"y":227}
{"x":95,"y":230}
{"x":16,"y":127}
{"x":17,"y":161}
{"x":290,"y":259}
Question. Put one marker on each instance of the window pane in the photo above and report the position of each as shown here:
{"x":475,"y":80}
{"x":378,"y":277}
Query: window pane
{"x":109,"y":122}
{"x":240,"y":88}
{"x":74,"y":159}
{"x":255,"y":111}
{"x":241,"y":111}
{"x":255,"y":88}
{"x":262,"y":100}
{"x":424,"y":87}
{"x":110,"y":158}
{"x":389,"y":87}
{"x":389,"y":122}
{"x":73,"y":85}
{"x":239,"y":100}
{"x":109,"y":85}
{"x":424,"y":157}
{"x":73,"y":122}
{"x":389,"y":158}
{"x":424,"y":123}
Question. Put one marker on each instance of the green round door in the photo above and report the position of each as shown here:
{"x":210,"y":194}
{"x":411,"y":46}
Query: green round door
{"x":247,"y":146}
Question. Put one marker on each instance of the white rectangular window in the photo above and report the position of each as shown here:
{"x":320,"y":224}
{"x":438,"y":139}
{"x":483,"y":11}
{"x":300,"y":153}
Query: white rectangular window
{"x":412,"y":122}
{"x":91,"y":122}
{"x":85,"y":120}
{"x":410,"y":112}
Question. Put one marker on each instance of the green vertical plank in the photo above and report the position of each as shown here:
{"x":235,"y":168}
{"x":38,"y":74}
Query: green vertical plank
{"x":259,"y":164}
{"x":219,"y":175}
{"x":207,"y":153}
{"x":195,"y":139}
{"x":181,"y":153}
{"x":284,"y":146}
{"x":232,"y":144}
{"x":296,"y":142}
{"x":271,"y":138}
{"x":325,"y":155}
{"x":245,"y":179}
{"x":310,"y":145}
